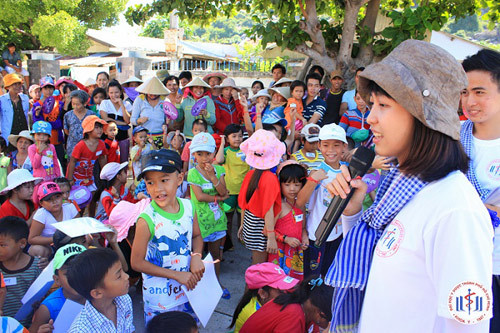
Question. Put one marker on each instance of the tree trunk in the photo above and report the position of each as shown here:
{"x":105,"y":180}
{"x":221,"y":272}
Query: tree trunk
{"x":305,"y":69}
{"x":352,"y":8}
{"x":366,"y":55}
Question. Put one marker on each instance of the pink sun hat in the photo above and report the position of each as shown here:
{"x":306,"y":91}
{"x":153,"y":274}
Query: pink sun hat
{"x":268,"y":274}
{"x":124,"y":216}
{"x":263,"y":150}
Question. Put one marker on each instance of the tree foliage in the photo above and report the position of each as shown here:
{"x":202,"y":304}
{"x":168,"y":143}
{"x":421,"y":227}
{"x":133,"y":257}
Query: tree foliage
{"x":55,"y":24}
{"x":335,"y":34}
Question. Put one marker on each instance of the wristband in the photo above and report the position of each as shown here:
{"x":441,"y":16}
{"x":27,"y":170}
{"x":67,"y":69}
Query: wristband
{"x":312,"y":179}
{"x":267,"y":231}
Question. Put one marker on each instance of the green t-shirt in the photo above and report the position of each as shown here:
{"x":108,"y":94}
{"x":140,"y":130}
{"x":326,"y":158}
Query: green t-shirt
{"x":236,"y":169}
{"x":4,"y":164}
{"x":211,"y":217}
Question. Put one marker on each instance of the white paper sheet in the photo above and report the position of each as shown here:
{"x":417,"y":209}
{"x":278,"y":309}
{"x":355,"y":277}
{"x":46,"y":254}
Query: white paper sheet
{"x":66,"y":316}
{"x":205,"y":297}
{"x":81,"y":226}
{"x":36,"y":291}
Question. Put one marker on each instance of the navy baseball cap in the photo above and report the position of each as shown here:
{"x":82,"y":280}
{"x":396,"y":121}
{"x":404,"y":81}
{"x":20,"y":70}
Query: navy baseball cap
{"x":163,"y":160}
{"x":138,"y":129}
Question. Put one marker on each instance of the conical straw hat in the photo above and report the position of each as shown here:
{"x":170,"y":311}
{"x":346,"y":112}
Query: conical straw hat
{"x":153,"y":86}
{"x":197,"y":82}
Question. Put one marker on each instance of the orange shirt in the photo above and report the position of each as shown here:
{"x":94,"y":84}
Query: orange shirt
{"x":299,"y":106}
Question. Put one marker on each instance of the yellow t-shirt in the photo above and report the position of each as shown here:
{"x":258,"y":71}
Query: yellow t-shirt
{"x":236,"y":169}
{"x":246,"y":312}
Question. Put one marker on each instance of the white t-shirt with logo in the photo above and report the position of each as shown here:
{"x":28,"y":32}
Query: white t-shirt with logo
{"x":441,"y":238}
{"x":485,"y":157}
{"x":318,"y":204}
{"x":45,"y":217}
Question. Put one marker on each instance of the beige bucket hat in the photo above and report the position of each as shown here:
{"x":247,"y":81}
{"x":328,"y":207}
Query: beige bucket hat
{"x":282,"y":81}
{"x":23,"y":134}
{"x":132,"y":79}
{"x":425,"y":79}
{"x":197,"y":82}
{"x":283,"y":91}
{"x":228,"y":83}
{"x":221,"y":76}
{"x":153,"y":86}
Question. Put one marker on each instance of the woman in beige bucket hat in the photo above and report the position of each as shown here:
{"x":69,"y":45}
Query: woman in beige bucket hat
{"x":426,"y":242}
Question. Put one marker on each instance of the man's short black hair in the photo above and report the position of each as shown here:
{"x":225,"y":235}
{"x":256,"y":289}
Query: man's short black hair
{"x":317,"y":68}
{"x":186,"y":75}
{"x":232,"y":128}
{"x":14,"y":227}
{"x":200,"y":121}
{"x":280,"y":66}
{"x":172,"y":322}
{"x":88,"y":269}
{"x":11,"y":44}
{"x":297,"y":83}
{"x":313,"y":76}
{"x":486,"y":61}
{"x":170,"y":78}
{"x":69,"y":87}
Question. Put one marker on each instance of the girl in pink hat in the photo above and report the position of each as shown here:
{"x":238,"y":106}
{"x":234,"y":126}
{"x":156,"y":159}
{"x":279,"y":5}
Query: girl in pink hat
{"x":259,"y":197}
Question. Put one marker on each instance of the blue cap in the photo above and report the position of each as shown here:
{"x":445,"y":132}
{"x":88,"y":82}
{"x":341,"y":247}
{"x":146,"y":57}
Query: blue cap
{"x":42,"y":127}
{"x":138,"y":129}
{"x":272,"y":120}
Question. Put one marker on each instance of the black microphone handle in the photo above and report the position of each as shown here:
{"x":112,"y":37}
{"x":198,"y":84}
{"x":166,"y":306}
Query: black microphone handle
{"x":333,"y":212}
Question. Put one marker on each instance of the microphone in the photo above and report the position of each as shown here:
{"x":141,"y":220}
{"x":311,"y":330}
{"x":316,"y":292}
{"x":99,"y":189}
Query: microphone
{"x":360,"y":163}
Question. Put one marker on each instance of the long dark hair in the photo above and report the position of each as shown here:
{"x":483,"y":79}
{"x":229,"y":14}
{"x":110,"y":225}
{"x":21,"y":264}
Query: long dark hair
{"x":433,"y":155}
{"x":253,"y":184}
{"x":245,"y":299}
{"x":313,"y":289}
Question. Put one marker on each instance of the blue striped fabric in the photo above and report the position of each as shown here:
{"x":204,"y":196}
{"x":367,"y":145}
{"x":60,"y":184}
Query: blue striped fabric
{"x":350,"y":269}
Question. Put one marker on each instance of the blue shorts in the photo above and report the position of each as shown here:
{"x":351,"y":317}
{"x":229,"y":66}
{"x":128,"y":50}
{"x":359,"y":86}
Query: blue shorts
{"x":215,"y":236}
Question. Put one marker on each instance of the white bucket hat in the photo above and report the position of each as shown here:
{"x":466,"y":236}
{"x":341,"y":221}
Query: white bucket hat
{"x":19,"y":177}
{"x":261,"y":93}
{"x":281,"y":81}
{"x":153,"y":86}
{"x":283,"y":91}
{"x":132,"y":79}
{"x":228,"y":83}
{"x":23,"y":134}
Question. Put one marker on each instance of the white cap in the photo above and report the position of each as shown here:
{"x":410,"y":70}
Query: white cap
{"x":110,"y":170}
{"x":332,"y":132}
{"x":311,"y":132}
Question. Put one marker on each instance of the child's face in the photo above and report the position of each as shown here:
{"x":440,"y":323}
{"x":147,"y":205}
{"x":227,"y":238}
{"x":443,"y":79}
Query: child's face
{"x":65,"y":189}
{"x":25,"y":191}
{"x":9,"y":247}
{"x":235,"y":139}
{"x":41,"y":137}
{"x":161,"y":186}
{"x":47,"y":91}
{"x":203,"y":157}
{"x":198,"y":128}
{"x":36,"y":94}
{"x":290,"y":189}
{"x":244,"y":92}
{"x":53,"y":204}
{"x":360,"y":103}
{"x":97,"y":131}
{"x":278,"y":131}
{"x":98,"y":98}
{"x":256,"y":88}
{"x":141,"y":138}
{"x":115,"y":282}
{"x":263,"y":99}
{"x":213,"y":81}
{"x":176,"y":141}
{"x":23,"y":145}
{"x":112,"y":131}
{"x":62,"y":281}
{"x":332,"y":150}
{"x":226,"y":92}
{"x":311,"y":146}
{"x":77,"y":104}
{"x":298,"y":92}
{"x":122,"y":176}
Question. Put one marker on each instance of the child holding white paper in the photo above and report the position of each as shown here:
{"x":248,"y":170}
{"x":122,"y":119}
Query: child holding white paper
{"x":18,"y":268}
{"x":168,"y":243}
{"x":48,"y":311}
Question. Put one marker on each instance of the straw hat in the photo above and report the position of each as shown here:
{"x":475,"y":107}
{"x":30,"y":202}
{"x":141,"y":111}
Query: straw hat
{"x":281,"y":81}
{"x":283,"y":91}
{"x":261,"y":93}
{"x":19,"y":177}
{"x":153,"y":86}
{"x":23,"y":134}
{"x":228,"y":83}
{"x":132,"y":79}
{"x":216,"y":74}
{"x":197,"y":82}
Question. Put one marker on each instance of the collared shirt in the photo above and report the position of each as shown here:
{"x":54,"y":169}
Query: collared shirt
{"x":7,"y":113}
{"x":156,"y":116}
{"x":90,"y":320}
{"x":13,"y":58}
{"x":317,"y":105}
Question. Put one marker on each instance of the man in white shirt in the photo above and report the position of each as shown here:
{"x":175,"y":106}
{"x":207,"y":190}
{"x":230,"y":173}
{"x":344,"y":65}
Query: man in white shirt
{"x":481,"y":140}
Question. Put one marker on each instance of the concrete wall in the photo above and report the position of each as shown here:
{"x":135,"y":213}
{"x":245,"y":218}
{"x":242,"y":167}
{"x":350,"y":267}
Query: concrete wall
{"x":40,"y":68}
{"x":130,"y":66}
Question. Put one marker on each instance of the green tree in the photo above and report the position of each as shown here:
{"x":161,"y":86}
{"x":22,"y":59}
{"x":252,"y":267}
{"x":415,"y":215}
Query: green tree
{"x":334,"y":34}
{"x":55,"y":24}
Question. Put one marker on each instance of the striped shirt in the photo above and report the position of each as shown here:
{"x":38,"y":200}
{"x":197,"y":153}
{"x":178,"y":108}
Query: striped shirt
{"x":17,"y":283}
{"x":353,"y":120}
{"x":311,"y":160}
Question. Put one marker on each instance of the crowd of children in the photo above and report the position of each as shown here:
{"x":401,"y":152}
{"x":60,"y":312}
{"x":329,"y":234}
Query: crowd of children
{"x":205,"y":159}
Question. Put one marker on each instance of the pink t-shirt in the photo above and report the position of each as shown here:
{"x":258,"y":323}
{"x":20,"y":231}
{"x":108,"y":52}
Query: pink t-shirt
{"x":46,"y":164}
